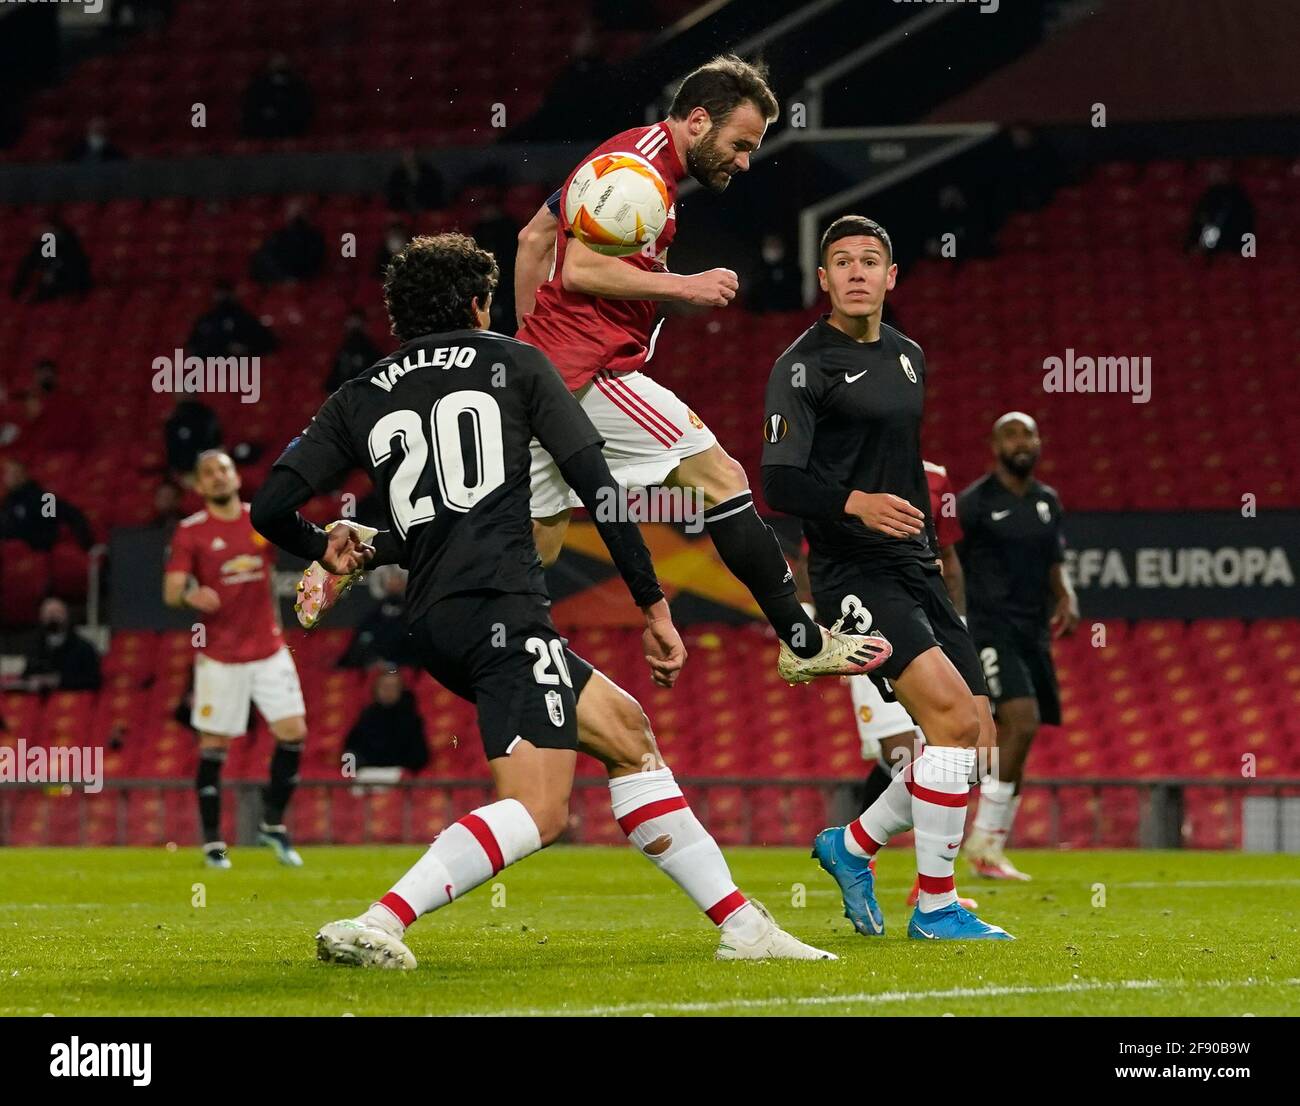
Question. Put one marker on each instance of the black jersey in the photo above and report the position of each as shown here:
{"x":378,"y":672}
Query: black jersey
{"x":443,"y":427}
{"x":849,"y":414}
{"x":1007,"y":551}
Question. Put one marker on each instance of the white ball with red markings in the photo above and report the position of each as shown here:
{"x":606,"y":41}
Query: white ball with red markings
{"x":616,"y":204}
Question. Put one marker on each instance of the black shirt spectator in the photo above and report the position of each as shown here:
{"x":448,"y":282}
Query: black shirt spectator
{"x":396,"y":237}
{"x":779,"y":283}
{"x":95,"y":145}
{"x":277,"y":103}
{"x":63,"y":660}
{"x":56,"y":265}
{"x":1223,"y":216}
{"x":294,"y":252}
{"x":191,"y":428}
{"x":415,"y":185}
{"x":381,"y":637}
{"x":389,"y":733}
{"x":356,"y":353}
{"x":28,"y":513}
{"x":228,"y":329}
{"x":497,"y":233}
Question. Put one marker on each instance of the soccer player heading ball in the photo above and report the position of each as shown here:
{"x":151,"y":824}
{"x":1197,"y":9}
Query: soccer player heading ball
{"x":843,"y":452}
{"x":593,"y":315}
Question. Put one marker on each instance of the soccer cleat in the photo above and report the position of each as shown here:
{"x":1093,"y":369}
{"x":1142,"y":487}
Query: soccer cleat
{"x":841,"y":655}
{"x":214,"y":855}
{"x":913,"y":898}
{"x":773,"y":944}
{"x":362,"y":946}
{"x":984,"y":853}
{"x":856,"y":879}
{"x":278,"y":838}
{"x":319,"y":589}
{"x":953,"y":923}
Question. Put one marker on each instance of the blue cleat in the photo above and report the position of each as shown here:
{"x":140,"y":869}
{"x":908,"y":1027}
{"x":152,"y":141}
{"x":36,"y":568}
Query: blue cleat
{"x":953,"y":923}
{"x":277,"y":837}
{"x":857,"y":883}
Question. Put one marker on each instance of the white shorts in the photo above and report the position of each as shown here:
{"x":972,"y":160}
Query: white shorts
{"x":648,"y":432}
{"x":223,"y":692}
{"x":876,"y":719}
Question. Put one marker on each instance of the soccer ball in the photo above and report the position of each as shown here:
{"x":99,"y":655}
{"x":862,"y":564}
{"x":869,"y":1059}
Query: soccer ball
{"x":616,"y":203}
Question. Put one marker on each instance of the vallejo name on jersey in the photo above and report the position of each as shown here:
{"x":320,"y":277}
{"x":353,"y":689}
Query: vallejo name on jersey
{"x":445,"y":357}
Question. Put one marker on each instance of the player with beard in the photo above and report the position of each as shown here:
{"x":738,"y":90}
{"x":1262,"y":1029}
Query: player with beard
{"x":1019,"y":597}
{"x":593,"y":315}
{"x":220,"y":567}
{"x":843,"y":452}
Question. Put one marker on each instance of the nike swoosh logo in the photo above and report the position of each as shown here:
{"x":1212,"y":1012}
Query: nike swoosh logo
{"x":922,"y":932}
{"x":850,"y":379}
{"x":998,"y":516}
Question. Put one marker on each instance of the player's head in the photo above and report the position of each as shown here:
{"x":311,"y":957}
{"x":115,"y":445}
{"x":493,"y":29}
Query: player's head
{"x":215,"y":477}
{"x":1016,"y":443}
{"x":857,"y":266}
{"x":439,"y":283}
{"x":725,"y":107}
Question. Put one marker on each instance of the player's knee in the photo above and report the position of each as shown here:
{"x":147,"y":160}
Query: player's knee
{"x":635,"y":747}
{"x":551,"y":817}
{"x":958,"y":723}
{"x":729,"y":477}
{"x":291,"y":730}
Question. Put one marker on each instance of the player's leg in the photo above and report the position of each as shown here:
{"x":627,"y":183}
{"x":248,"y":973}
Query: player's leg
{"x":550,"y":503}
{"x":277,"y":694}
{"x":548,"y":536}
{"x":222,"y":696}
{"x":659,"y":823}
{"x":213,"y":750}
{"x":1017,"y":722}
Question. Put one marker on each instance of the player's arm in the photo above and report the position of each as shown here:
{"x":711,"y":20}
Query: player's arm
{"x":611,"y":278}
{"x":1065,"y":616}
{"x":180,"y":589}
{"x":534,"y":257}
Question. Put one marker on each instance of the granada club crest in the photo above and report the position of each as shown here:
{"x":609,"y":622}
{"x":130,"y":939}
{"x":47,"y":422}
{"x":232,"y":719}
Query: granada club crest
{"x":907,"y":367}
{"x":775,"y":429}
{"x":555,"y":708}
{"x":1044,"y":511}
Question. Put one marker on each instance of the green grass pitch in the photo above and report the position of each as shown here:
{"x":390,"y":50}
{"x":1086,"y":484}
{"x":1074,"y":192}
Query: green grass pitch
{"x":600,"y":931}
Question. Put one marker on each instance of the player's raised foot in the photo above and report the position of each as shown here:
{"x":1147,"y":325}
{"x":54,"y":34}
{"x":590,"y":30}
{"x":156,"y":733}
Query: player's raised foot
{"x":953,"y":923}
{"x":772,"y":944}
{"x":362,"y":946}
{"x":319,"y":589}
{"x":984,"y":854}
{"x":214,"y":855}
{"x":856,"y":879}
{"x":277,"y":837}
{"x":841,"y":655}
{"x":964,"y":903}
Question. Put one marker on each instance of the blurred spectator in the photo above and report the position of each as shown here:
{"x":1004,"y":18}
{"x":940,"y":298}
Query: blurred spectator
{"x":228,"y":329}
{"x":1029,"y":171}
{"x":779,"y":283}
{"x":28,"y":513}
{"x":1223,"y":215}
{"x":54,"y":419}
{"x":381,"y":636}
{"x":389,"y":732}
{"x":12,"y":415}
{"x":954,"y":215}
{"x":167,"y":510}
{"x":415,"y":185}
{"x":191,"y":428}
{"x":356,"y":353}
{"x":294,"y":252}
{"x":395,"y":237}
{"x":56,"y":265}
{"x":95,"y":145}
{"x":63,"y":660}
{"x":498,"y":233}
{"x":277,"y":103}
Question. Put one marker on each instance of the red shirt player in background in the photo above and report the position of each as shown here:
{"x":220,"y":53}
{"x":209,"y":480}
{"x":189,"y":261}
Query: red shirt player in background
{"x":221,"y":567}
{"x":592,"y":316}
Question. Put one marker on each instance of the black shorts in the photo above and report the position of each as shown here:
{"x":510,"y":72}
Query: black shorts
{"x":908,"y":604}
{"x":502,"y":653}
{"x":1018,"y":665}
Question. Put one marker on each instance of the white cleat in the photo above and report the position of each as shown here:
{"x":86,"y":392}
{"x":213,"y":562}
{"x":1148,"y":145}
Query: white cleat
{"x":841,"y":655}
{"x":362,"y":946}
{"x":984,"y":853}
{"x":214,"y":855}
{"x":772,"y":944}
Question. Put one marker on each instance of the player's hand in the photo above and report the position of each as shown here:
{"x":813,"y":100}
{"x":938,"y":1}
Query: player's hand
{"x":1065,"y":619}
{"x":203,"y":599}
{"x":664,"y":651}
{"x":345,"y":552}
{"x":887,"y":513}
{"x":716,"y":288}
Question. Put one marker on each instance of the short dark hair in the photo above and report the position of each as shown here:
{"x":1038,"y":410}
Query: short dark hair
{"x":852,"y":226}
{"x":721,"y":85}
{"x":431,"y":283}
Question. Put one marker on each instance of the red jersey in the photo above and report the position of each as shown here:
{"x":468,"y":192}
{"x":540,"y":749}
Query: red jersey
{"x":582,"y":334}
{"x":235,"y":561}
{"x":941,"y":496}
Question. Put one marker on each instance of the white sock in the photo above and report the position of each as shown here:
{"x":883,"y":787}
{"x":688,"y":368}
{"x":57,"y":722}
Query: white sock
{"x":465,"y":854}
{"x":888,"y":815}
{"x":940,"y":785}
{"x":652,"y":811}
{"x":997,"y":808}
